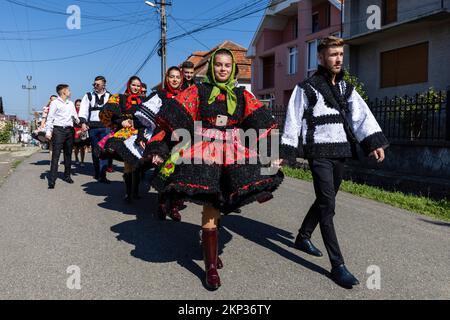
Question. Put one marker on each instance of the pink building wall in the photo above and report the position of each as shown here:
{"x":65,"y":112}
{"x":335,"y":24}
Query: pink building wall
{"x":277,"y":43}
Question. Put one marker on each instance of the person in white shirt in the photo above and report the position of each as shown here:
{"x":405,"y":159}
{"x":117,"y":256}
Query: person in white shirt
{"x":91,"y":105}
{"x":59,"y":129}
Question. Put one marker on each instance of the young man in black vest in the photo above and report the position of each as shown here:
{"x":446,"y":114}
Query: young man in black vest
{"x":188,"y":74}
{"x":59,"y":129}
{"x":91,"y":105}
{"x":332,"y":119}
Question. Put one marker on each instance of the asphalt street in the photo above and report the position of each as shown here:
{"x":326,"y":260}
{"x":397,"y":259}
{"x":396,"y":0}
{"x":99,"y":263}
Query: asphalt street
{"x":122,"y":252}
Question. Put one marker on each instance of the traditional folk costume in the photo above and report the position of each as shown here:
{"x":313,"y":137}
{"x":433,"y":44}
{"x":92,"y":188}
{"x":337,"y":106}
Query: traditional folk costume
{"x":80,"y":139}
{"x":332,"y":119}
{"x":146,"y":114}
{"x":228,"y":174}
{"x":217,"y":169}
{"x":121,"y":107}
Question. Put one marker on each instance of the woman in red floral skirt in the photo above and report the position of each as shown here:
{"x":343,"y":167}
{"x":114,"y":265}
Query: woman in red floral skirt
{"x":217,"y":170}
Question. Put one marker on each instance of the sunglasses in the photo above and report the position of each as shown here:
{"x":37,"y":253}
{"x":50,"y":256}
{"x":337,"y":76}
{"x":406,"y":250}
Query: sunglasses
{"x":96,"y":84}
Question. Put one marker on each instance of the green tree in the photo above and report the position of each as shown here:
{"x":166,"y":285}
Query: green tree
{"x":359,"y":86}
{"x":6,"y":132}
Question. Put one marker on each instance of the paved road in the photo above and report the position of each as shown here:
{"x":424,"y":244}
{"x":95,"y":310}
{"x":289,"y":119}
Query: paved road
{"x":124,"y":253}
{"x":10,"y":159}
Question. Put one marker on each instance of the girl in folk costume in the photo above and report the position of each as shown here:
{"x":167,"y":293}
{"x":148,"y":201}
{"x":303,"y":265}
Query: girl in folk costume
{"x":173,"y":87}
{"x":228,"y":174}
{"x":80,"y":141}
{"x":135,"y":145}
{"x":118,"y":114}
{"x":172,"y":83}
{"x":146,"y":115}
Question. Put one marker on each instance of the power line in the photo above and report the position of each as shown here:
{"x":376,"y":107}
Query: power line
{"x":82,"y":54}
{"x":90,"y":17}
{"x":242,"y":12}
{"x":184,"y":29}
{"x":144,"y":63}
{"x":67,"y":35}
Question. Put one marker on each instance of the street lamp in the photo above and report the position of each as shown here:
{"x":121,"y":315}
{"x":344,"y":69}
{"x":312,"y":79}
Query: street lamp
{"x":151,"y":4}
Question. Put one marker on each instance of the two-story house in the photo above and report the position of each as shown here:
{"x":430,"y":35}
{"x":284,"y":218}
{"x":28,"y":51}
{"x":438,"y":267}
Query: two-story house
{"x":284,"y":47}
{"x":398,"y":47}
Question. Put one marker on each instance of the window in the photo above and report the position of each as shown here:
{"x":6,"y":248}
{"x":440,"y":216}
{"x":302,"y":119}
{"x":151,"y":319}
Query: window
{"x":267,"y":99}
{"x":404,"y":66}
{"x":315,"y":22}
{"x":389,"y":11}
{"x":336,"y":34}
{"x":295,"y":29}
{"x":321,"y":16}
{"x":312,"y":57}
{"x":268,"y":72}
{"x":292,"y":62}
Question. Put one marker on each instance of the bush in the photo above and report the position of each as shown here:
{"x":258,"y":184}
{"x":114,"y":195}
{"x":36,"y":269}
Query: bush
{"x":359,"y":86}
{"x":6,"y":132}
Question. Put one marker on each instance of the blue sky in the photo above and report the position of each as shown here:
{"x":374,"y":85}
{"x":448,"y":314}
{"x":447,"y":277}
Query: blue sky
{"x":28,"y":31}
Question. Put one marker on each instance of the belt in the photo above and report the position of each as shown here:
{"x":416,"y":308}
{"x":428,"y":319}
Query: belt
{"x":63,"y":127}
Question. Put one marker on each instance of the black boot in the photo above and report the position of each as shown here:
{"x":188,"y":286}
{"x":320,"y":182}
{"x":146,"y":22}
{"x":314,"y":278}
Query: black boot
{"x":127,"y":178}
{"x":136,"y":180}
{"x":305,"y":245}
{"x":343,"y":277}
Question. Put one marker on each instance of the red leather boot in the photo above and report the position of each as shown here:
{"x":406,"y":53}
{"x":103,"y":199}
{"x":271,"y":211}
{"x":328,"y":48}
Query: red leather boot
{"x":210,"y":255}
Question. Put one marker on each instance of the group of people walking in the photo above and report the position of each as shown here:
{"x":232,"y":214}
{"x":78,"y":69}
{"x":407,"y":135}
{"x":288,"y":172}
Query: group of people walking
{"x":215,"y":168}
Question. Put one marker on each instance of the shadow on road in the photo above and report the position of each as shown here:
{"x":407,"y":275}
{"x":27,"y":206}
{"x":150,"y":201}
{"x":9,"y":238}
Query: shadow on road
{"x":41,"y":163}
{"x":165,"y":241}
{"x":265,"y":235}
{"x":438,"y":223}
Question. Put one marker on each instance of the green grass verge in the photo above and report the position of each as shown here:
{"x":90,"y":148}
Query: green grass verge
{"x":419,"y":204}
{"x":15,"y":164}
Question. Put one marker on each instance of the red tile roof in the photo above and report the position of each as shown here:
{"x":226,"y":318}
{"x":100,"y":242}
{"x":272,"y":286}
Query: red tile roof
{"x":200,"y":60}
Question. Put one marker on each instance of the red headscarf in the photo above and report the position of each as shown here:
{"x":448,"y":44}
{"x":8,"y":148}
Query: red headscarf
{"x":170,"y":91}
{"x":132,"y":96}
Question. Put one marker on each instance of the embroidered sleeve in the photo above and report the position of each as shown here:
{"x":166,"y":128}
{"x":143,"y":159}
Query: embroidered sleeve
{"x":110,"y":114}
{"x":114,"y":99}
{"x":157,"y":145}
{"x":293,"y":124}
{"x":190,"y":100}
{"x":181,"y":112}
{"x":251,"y":103}
{"x":364,"y":125}
{"x":257,"y":117}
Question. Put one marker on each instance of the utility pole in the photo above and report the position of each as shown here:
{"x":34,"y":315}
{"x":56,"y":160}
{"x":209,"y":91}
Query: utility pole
{"x":29,"y":88}
{"x":163,"y":41}
{"x":162,"y":52}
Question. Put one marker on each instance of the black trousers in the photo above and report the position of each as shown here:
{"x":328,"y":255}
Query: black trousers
{"x":62,"y":139}
{"x":327,"y":177}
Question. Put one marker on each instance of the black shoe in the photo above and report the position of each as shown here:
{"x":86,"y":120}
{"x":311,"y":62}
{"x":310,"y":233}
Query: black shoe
{"x":51,"y":185}
{"x":237,"y":210}
{"x":306,"y":246}
{"x":127,"y":199}
{"x":343,"y":277}
{"x":96,"y":177}
{"x":104,"y":180}
{"x":68,"y":180}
